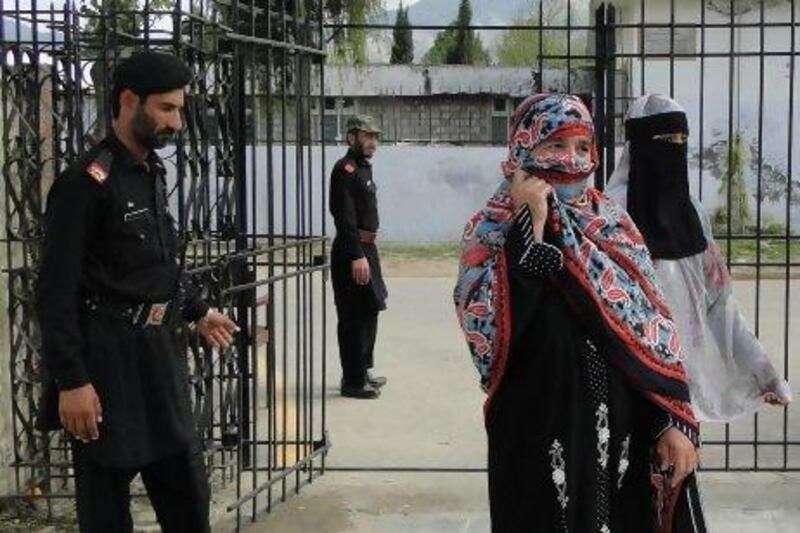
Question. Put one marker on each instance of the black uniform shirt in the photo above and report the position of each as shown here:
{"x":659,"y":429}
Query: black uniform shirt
{"x":353,"y":202}
{"x":108,"y":235}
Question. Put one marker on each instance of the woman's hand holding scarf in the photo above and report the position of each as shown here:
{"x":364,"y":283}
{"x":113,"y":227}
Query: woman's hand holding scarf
{"x":527,"y":189}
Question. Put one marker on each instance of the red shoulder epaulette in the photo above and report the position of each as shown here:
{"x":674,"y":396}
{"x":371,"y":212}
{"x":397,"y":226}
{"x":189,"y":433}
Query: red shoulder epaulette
{"x":349,"y":167}
{"x":100,"y":167}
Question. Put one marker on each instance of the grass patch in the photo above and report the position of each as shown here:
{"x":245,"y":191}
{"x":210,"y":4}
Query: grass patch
{"x":430,"y":251}
{"x":772,"y":250}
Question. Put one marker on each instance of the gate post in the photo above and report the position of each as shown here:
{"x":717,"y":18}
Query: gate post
{"x":6,"y":427}
{"x":599,"y":104}
{"x":605,"y":91}
{"x":244,"y":301}
{"x":611,"y":90}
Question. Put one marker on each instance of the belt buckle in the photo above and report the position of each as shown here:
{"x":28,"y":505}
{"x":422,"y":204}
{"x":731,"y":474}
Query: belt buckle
{"x":157,"y":314}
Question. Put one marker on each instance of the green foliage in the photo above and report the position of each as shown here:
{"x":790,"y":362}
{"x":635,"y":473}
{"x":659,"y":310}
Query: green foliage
{"x":732,"y":167}
{"x":458,"y":44}
{"x":522,"y":48}
{"x":734,"y":179}
{"x":460,"y":52}
{"x":350,"y":44}
{"x":403,"y":45}
{"x":122,"y":17}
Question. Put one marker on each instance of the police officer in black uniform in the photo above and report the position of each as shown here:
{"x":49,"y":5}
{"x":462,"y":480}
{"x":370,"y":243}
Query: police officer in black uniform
{"x":111,"y":296}
{"x":358,"y":287}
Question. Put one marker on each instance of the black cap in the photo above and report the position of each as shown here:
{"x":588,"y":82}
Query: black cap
{"x":149,"y":72}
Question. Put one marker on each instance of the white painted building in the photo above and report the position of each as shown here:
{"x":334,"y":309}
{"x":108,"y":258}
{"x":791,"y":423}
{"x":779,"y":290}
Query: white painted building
{"x":722,"y":91}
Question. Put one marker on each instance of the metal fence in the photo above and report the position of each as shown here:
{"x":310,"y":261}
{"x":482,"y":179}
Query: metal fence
{"x":732,"y":64}
{"x":260,"y":406}
{"x":248,"y":183}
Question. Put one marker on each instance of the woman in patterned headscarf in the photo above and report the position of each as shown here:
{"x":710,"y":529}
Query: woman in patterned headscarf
{"x":588,"y":416}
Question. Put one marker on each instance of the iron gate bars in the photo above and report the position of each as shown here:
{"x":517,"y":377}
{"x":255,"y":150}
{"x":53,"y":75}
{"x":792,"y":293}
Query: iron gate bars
{"x":251,"y":213}
{"x":732,"y":64}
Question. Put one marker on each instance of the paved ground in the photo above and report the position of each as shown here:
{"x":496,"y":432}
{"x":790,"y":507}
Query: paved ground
{"x":429,"y":417}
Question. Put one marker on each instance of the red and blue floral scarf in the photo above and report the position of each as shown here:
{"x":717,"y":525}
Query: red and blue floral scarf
{"x":604,"y":254}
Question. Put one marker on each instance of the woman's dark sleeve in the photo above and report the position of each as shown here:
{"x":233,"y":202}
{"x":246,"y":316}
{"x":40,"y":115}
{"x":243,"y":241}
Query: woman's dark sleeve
{"x":660,"y":421}
{"x":530,"y":264}
{"x":193,"y":306}
{"x":526,"y":255}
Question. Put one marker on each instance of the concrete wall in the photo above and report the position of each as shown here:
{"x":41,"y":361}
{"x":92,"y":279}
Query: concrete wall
{"x":426,"y":192}
{"x":463,"y":118}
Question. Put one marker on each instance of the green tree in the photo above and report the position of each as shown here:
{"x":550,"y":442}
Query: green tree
{"x":123,"y":15}
{"x":101,"y":18}
{"x":458,"y":44}
{"x":730,"y":163}
{"x":734,"y":166}
{"x":521,"y":48}
{"x":734,"y":179}
{"x":403,"y":45}
{"x":460,"y":53}
{"x":350,"y":44}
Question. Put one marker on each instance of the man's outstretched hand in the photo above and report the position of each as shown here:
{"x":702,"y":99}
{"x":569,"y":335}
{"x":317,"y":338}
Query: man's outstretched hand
{"x":217,"y":329}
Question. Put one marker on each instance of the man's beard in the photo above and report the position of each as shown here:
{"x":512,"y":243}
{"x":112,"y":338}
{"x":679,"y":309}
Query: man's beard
{"x":146,"y":133}
{"x":359,"y":148}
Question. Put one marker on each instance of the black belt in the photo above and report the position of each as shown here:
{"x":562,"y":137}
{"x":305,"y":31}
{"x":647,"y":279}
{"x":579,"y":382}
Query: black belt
{"x":140,"y":315}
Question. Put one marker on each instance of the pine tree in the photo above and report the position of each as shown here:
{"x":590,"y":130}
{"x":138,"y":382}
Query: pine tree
{"x":458,"y":44}
{"x":403,"y":46}
{"x":461,"y":52}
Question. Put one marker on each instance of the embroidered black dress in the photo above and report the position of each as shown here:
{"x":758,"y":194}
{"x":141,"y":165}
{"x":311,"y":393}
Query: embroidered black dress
{"x":569,"y":438}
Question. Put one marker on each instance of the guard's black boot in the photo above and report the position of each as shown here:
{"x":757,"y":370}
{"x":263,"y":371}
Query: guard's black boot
{"x":365,"y":392}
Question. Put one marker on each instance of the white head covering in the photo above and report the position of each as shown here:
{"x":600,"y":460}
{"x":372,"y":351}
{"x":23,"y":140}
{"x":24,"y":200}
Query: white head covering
{"x":644,"y":106}
{"x":728,"y":369}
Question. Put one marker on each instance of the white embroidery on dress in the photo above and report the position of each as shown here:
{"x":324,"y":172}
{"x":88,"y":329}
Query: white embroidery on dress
{"x":623,"y":461}
{"x":605,"y":529}
{"x":558,"y":464}
{"x":603,"y":434}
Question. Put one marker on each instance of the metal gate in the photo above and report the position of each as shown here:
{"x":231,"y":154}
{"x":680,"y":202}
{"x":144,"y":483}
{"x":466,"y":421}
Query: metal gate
{"x":732,"y":64}
{"x":250,"y":202}
{"x":249,"y":190}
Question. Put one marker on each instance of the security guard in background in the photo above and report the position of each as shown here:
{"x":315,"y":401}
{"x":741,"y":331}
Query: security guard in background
{"x":358,"y":287}
{"x":110,"y":299}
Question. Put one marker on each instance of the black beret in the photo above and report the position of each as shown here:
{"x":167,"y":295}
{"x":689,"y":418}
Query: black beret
{"x":149,"y":72}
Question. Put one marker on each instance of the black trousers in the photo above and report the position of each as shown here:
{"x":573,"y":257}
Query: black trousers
{"x":177,"y":486}
{"x":357,"y":330}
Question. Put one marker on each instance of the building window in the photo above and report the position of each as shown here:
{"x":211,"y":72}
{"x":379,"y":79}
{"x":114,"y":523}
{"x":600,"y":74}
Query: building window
{"x":331,"y":129}
{"x":500,"y":129}
{"x":500,"y":105}
{"x":499,"y":124}
{"x":345,"y":118}
{"x":330,"y":103}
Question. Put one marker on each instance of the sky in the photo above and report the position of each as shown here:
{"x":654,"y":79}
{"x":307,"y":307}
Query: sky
{"x":392,"y":4}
